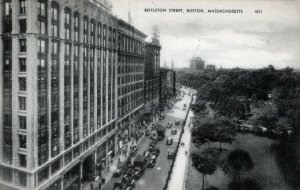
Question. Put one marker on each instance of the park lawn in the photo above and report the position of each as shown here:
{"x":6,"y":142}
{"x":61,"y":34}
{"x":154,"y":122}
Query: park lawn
{"x":265,"y":171}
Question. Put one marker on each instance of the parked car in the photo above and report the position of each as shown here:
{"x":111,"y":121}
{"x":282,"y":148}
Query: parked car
{"x":151,"y":163}
{"x":169,"y":141}
{"x":125,"y":177}
{"x":147,"y":154}
{"x":177,"y":122}
{"x":117,"y":186}
{"x":170,"y":154}
{"x":133,"y":150}
{"x":118,"y":172}
{"x":169,"y":125}
{"x":130,"y":182}
{"x":138,"y":172}
{"x":156,"y":151}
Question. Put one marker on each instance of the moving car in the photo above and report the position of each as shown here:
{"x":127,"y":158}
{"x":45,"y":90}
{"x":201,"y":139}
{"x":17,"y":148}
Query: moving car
{"x":170,"y":154}
{"x":169,"y":125}
{"x":177,"y":122}
{"x":174,"y":131}
{"x":169,"y":141}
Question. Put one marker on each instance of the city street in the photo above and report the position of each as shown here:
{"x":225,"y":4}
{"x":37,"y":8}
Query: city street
{"x":155,"y":178}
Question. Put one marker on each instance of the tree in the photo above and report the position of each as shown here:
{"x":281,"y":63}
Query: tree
{"x":214,"y":129}
{"x":199,"y":106}
{"x":203,"y":165}
{"x":238,"y":161}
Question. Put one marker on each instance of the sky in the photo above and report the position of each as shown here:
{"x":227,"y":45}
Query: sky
{"x":245,"y":40}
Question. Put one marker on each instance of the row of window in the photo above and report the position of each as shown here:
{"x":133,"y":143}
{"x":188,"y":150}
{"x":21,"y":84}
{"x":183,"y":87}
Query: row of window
{"x":89,"y":27}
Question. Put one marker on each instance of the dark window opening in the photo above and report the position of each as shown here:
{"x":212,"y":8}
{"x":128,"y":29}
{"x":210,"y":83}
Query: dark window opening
{"x":22,"y":6}
{"x":23,"y":46}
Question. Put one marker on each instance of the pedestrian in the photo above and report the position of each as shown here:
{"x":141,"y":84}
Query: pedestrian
{"x":185,"y":152}
{"x":92,"y":187}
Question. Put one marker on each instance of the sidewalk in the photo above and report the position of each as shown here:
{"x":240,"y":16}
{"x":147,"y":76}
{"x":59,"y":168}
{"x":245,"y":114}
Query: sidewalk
{"x":178,"y":176}
{"x":107,"y":175}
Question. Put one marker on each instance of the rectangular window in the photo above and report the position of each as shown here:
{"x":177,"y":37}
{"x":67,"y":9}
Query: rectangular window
{"x":7,"y":65}
{"x":23,"y":160}
{"x":67,"y":49}
{"x":42,"y":46}
{"x":7,"y":9}
{"x":54,"y":65}
{"x":22,"y":45}
{"x":42,"y":8}
{"x":22,"y":103}
{"x":22,"y":140}
{"x":76,"y":21}
{"x":23,"y":7}
{"x":67,"y":33}
{"x":54,"y":30}
{"x":54,"y":13}
{"x":42,"y":102}
{"x":67,"y":18}
{"x":76,"y":36}
{"x":22,"y":83}
{"x":42,"y":66}
{"x":23,"y":26}
{"x":22,"y":122}
{"x":22,"y":65}
{"x":54,"y":48}
{"x":42,"y":27}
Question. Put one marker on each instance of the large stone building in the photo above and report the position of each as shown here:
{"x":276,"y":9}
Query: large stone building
{"x":167,"y":87}
{"x":197,"y":64}
{"x":58,"y":74}
{"x":152,"y":73}
{"x":131,"y":65}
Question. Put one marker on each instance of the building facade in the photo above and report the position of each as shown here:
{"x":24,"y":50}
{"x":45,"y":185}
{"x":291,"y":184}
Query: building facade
{"x":167,"y":87}
{"x":210,"y":68}
{"x":151,"y":86}
{"x":131,"y":65}
{"x":58,"y":74}
{"x":197,"y":64}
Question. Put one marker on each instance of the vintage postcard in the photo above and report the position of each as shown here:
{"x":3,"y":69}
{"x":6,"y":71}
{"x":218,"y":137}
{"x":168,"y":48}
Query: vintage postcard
{"x":149,"y":94}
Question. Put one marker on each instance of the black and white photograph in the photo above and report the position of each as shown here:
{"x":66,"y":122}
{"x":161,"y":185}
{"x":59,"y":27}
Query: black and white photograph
{"x":149,"y":94}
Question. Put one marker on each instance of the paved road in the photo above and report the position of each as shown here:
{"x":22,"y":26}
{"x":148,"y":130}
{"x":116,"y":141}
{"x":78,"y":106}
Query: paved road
{"x":154,"y":178}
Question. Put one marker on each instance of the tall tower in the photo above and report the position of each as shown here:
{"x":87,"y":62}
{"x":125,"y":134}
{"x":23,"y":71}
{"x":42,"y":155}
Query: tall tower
{"x":165,"y":65}
{"x":172,"y":64}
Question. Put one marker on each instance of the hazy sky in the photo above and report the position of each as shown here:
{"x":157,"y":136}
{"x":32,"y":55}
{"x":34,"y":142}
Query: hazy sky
{"x":246,"y":40}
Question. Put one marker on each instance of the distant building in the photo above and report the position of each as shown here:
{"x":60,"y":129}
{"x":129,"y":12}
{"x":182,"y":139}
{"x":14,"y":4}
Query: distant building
{"x":197,"y":64}
{"x":210,"y":67}
{"x":167,"y":89}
